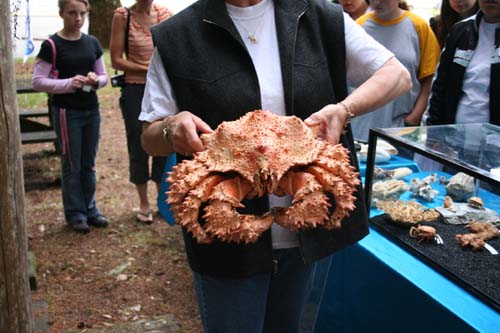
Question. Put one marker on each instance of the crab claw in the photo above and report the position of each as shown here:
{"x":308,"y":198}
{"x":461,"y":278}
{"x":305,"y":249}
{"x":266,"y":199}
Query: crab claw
{"x":224,"y":222}
{"x":309,"y":206}
{"x":187,"y":212}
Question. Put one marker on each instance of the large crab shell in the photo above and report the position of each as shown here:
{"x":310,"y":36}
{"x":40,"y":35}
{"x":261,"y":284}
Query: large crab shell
{"x":260,"y":145}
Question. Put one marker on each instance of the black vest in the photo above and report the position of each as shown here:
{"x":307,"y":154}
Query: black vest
{"x":212,"y":76}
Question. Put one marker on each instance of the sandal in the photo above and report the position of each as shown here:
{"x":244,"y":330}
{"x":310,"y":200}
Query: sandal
{"x":144,"y":217}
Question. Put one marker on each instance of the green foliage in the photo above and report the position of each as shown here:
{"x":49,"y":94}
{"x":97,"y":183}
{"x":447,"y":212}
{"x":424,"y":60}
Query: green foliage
{"x":32,"y":101}
{"x":101,"y":14}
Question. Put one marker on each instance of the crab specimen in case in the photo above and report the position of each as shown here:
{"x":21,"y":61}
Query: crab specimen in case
{"x":423,"y":233}
{"x":480,"y":232}
{"x":257,"y":154}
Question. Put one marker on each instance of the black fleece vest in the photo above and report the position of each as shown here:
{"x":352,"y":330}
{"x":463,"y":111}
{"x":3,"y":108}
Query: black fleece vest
{"x":212,"y":76}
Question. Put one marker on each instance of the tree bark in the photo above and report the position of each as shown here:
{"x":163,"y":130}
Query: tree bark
{"x":100,"y":18}
{"x":15,"y":298}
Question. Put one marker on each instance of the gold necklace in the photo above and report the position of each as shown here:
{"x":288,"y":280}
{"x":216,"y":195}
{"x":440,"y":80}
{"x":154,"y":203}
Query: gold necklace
{"x":252,"y":36}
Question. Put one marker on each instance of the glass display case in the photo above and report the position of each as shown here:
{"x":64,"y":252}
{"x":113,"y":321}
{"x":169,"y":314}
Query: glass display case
{"x":445,"y":210}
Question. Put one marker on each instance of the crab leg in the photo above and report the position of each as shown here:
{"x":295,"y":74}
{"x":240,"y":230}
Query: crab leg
{"x":309,"y":206}
{"x":224,"y":222}
{"x":186,"y":214}
{"x":184,"y":177}
{"x":334,"y":159}
{"x":342,"y":192}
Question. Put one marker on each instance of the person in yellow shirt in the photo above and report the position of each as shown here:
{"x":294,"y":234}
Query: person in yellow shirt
{"x":414,"y":44}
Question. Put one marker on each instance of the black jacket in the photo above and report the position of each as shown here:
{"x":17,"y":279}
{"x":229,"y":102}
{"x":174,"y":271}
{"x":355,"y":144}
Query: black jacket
{"x":447,"y":86}
{"x":212,"y":76}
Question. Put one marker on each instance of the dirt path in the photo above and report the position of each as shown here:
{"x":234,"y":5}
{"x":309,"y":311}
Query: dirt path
{"x":123,"y":273}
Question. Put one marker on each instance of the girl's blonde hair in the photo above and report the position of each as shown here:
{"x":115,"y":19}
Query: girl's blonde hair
{"x":63,"y":3}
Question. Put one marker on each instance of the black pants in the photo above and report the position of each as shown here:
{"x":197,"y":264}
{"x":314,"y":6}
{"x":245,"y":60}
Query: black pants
{"x":130,"y":105}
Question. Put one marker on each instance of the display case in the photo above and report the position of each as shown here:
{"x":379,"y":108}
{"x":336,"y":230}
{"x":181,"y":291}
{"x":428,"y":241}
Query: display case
{"x":446,"y":211}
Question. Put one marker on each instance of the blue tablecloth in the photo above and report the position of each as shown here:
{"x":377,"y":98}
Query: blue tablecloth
{"x":163,"y":207}
{"x":375,"y":286}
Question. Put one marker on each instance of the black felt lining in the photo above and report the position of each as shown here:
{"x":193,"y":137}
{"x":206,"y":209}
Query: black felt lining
{"x":477,"y":272}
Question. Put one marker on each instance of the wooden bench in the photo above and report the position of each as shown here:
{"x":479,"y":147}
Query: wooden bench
{"x":39,"y":136}
{"x":23,"y":86}
{"x":34,"y":113}
{"x":33,"y":131}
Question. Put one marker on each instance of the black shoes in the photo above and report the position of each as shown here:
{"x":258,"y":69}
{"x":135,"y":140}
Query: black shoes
{"x":99,"y":221}
{"x":80,"y":226}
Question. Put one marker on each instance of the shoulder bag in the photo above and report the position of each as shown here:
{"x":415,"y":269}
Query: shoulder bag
{"x":118,"y":80}
{"x":54,"y":73}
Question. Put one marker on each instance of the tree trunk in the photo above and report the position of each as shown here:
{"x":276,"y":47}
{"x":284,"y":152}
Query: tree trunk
{"x":100,"y":18}
{"x":15,"y":298}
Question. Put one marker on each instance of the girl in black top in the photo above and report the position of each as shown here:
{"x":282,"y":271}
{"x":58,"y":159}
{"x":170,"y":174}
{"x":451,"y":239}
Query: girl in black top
{"x":78,"y":71}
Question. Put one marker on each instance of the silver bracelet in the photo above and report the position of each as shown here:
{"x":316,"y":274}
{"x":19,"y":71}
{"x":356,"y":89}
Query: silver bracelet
{"x":165,"y":131}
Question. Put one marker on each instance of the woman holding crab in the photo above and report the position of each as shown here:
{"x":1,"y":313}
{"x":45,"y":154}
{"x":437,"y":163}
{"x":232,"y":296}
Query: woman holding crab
{"x":214,"y":62}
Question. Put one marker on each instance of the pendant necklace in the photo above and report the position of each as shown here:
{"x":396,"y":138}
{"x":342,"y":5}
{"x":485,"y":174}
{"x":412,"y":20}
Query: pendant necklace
{"x":252,"y":36}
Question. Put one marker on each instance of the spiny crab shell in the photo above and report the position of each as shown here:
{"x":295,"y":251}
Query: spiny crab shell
{"x":257,"y":154}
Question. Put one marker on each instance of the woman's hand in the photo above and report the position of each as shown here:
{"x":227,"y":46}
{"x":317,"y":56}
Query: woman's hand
{"x":412,"y":120}
{"x":331,"y":119}
{"x":78,"y":81}
{"x":92,"y":79}
{"x":184,"y":131}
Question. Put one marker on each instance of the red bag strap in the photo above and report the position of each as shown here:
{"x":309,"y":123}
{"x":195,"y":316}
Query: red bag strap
{"x":53,"y":45}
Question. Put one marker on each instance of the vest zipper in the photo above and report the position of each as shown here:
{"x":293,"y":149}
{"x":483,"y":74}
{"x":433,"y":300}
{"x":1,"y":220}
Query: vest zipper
{"x":293,"y":59}
{"x":275,"y":266}
{"x":293,"y":112}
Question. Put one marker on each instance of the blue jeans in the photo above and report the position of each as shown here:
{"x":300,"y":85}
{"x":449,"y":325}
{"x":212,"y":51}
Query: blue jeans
{"x":269,"y":302}
{"x":78,"y":163}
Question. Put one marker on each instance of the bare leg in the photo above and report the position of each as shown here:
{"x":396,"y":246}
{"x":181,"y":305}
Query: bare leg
{"x":142,"y":190}
{"x":144,"y":215}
